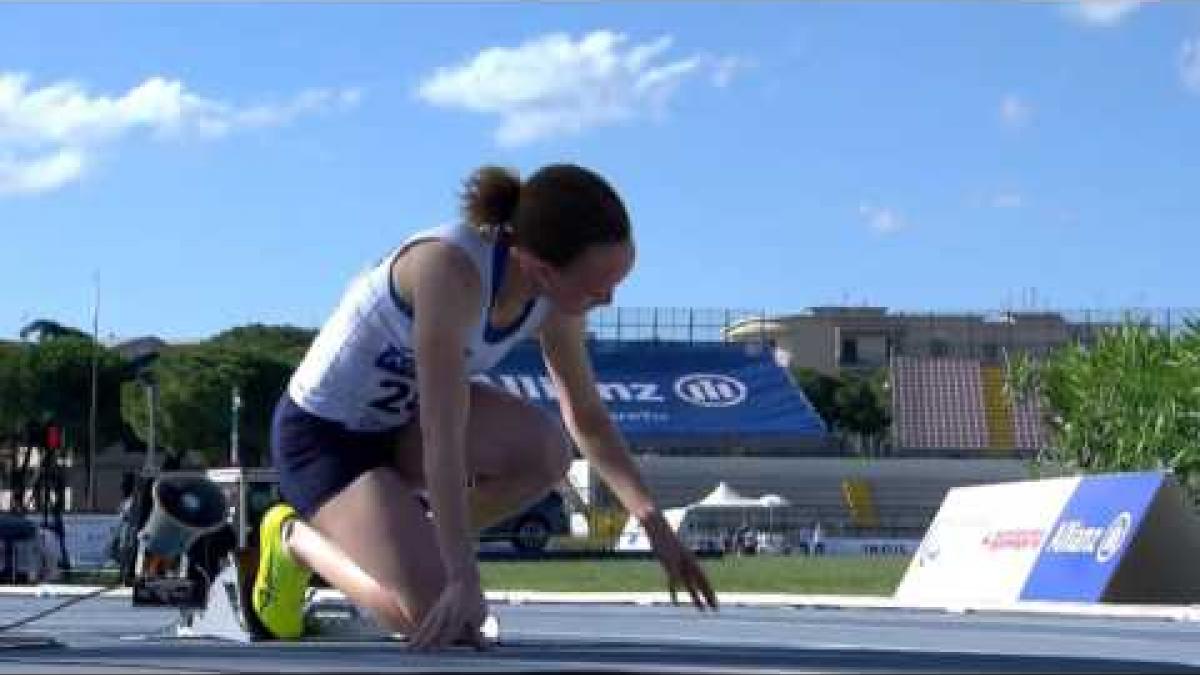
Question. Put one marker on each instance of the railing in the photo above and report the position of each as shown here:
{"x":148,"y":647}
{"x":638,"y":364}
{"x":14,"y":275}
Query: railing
{"x":668,"y":324}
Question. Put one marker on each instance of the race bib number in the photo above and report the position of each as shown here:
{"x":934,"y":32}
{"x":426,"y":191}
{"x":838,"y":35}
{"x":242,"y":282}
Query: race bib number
{"x":397,"y":382}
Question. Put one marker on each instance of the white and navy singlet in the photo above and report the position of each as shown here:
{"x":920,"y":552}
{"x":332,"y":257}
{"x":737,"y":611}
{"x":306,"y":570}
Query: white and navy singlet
{"x":360,"y":371}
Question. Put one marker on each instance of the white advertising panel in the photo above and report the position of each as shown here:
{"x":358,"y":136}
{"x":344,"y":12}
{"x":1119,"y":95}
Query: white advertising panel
{"x":984,"y":541}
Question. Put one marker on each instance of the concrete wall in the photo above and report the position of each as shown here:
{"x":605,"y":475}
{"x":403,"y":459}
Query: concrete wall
{"x":907,"y":492}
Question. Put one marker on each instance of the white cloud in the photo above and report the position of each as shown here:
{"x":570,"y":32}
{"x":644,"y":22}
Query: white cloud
{"x":1189,"y":64}
{"x":1102,"y":13}
{"x":557,"y":86}
{"x":222,"y":119}
{"x":39,"y":174}
{"x":48,"y":133}
{"x":882,"y":220}
{"x":1015,"y":111}
{"x":1007,"y":200}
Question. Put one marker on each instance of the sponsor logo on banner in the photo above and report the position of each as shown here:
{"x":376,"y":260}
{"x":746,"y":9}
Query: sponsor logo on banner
{"x":1114,"y":537}
{"x":1013,"y":540}
{"x":707,"y":390}
{"x":1087,"y":542}
{"x":706,"y":393}
{"x":710,"y":390}
{"x":541,"y":388}
{"x":1074,"y":537}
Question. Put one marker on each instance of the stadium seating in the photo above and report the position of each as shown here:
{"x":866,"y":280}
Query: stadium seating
{"x":951,"y":402}
{"x":938,"y":403}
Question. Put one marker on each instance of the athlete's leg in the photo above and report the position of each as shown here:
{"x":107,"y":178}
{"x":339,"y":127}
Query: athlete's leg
{"x":373,"y":540}
{"x":374,"y":543}
{"x":515,"y":452}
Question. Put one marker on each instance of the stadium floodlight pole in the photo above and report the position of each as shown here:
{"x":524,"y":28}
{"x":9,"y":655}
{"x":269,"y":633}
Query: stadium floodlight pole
{"x":151,"y":404}
{"x":235,"y":461}
{"x":235,"y":408}
{"x":90,"y":490}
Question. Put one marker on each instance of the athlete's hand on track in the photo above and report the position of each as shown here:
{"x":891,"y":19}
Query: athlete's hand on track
{"x":456,"y":618}
{"x":680,"y":563}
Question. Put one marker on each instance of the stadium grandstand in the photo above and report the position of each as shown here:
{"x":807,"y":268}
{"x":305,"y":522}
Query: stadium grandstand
{"x":953,"y":420}
{"x":945,"y":373}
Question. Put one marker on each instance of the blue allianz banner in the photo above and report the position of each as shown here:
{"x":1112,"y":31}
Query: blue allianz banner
{"x":1085,"y":546}
{"x":680,"y":394}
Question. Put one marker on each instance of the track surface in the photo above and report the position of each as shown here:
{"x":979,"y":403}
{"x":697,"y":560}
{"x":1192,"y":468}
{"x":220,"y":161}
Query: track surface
{"x":108,"y":635}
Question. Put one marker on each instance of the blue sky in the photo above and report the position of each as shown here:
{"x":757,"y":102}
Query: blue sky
{"x":224,"y":164}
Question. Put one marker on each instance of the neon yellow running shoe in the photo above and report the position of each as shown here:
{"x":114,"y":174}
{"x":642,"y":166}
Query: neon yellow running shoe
{"x":281,"y":581}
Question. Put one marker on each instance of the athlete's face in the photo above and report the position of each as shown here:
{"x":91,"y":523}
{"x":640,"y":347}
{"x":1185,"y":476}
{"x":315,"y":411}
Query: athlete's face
{"x":588,"y":281}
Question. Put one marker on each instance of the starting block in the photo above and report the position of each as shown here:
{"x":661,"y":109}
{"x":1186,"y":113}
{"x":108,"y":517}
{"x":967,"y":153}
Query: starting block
{"x":225,"y":615}
{"x":208,"y":571}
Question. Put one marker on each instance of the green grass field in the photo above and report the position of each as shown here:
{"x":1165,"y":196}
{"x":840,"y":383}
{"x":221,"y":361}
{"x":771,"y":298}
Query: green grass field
{"x":840,"y":575}
{"x":752,"y":574}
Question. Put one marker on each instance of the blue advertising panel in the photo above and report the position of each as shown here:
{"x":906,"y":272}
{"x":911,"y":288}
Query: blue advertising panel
{"x":666,"y":392}
{"x":1084,"y":548}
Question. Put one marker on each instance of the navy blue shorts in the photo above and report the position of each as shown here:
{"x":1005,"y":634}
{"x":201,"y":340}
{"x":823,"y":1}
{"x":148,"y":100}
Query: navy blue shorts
{"x":317,"y":458}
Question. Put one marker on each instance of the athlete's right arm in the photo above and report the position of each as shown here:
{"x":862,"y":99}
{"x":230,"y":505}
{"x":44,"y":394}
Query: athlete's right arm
{"x":444,"y":290}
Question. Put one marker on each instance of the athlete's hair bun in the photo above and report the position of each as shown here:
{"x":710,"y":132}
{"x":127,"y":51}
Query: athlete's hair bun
{"x":490,"y":198}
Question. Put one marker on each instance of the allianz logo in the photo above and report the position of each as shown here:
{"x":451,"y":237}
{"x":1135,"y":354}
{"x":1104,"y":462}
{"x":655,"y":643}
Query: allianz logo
{"x":1073,"y":537}
{"x":710,"y":390}
{"x":541,"y":388}
{"x":699,"y":389}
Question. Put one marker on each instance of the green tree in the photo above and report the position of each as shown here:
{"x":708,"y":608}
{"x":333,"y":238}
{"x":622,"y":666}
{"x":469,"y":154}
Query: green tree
{"x":1129,"y":402}
{"x":863,"y":408}
{"x":16,"y":390}
{"x":49,"y":379}
{"x":195,"y":384}
{"x":45,"y":329}
{"x":821,"y":391}
{"x":854,"y":406}
{"x":282,"y":343}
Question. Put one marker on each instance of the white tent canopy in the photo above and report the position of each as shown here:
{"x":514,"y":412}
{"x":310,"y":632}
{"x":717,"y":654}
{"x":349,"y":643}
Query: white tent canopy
{"x":773,"y":500}
{"x":723,"y":498}
{"x":723,"y":495}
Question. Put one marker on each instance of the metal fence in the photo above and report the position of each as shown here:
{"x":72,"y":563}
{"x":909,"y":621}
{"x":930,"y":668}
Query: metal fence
{"x":990,"y":335}
{"x":668,"y":324}
{"x":1174,"y":320}
{"x":984,"y":334}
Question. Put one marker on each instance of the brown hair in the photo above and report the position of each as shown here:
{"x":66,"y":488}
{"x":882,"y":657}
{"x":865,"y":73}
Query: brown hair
{"x":555,"y":214}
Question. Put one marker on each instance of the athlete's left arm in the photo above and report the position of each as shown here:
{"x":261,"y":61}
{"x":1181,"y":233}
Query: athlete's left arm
{"x":598,"y":438}
{"x":586,"y":416}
